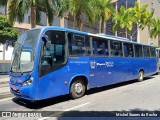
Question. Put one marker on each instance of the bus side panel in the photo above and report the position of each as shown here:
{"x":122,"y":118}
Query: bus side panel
{"x":58,"y":82}
{"x":150,"y":66}
{"x":106,"y":71}
{"x":53,"y":84}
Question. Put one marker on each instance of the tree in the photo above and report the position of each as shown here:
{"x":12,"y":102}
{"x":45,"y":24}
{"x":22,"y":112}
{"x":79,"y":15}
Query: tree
{"x":139,"y":15}
{"x":7,"y":32}
{"x":103,"y":12}
{"x":148,"y":21}
{"x":155,"y":30}
{"x":18,"y":8}
{"x":78,"y":8}
{"x":61,"y":6}
{"x":123,"y":19}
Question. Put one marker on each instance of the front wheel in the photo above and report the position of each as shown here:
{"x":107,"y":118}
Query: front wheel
{"x":77,"y":88}
{"x":140,"y":76}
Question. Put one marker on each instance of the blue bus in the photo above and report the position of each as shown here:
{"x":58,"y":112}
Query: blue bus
{"x":158,"y":59}
{"x":53,"y":61}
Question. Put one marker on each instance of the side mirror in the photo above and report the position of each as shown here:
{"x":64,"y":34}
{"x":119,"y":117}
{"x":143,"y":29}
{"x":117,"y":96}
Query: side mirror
{"x":46,"y":41}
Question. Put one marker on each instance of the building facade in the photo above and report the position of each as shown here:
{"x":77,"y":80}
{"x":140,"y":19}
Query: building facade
{"x":142,"y":37}
{"x":144,"y":34}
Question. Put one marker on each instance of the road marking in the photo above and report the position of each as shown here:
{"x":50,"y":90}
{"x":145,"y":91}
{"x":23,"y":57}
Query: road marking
{"x":44,"y":118}
{"x":6,"y":99}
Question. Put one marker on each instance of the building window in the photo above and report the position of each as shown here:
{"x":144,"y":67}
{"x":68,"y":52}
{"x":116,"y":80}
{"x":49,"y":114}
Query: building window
{"x":29,"y":19}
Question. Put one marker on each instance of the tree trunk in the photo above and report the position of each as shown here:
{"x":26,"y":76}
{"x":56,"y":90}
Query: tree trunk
{"x":149,"y":36}
{"x":116,"y":13}
{"x":100,"y":25}
{"x":126,"y":32}
{"x":33,"y":16}
{"x":4,"y":51}
{"x":61,"y":21}
{"x":78,"y":22}
{"x":138,"y":35}
{"x":47,"y":22}
{"x":80,"y":25}
{"x":7,"y":9}
{"x":74,"y":22}
{"x":104,"y":26}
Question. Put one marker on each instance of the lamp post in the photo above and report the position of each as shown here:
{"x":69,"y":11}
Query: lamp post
{"x":131,"y":37}
{"x":125,"y":33}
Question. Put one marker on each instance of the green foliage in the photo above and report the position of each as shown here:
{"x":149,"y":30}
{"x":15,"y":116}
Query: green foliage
{"x":3,"y":3}
{"x":6,"y":31}
{"x":155,"y":30}
{"x":139,"y":14}
{"x":123,"y":19}
{"x":79,"y":7}
{"x":103,"y":11}
{"x":19,"y":8}
{"x":148,"y":19}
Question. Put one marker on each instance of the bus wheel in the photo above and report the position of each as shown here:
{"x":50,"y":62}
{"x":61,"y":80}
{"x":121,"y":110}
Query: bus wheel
{"x":140,"y":76}
{"x":77,"y":88}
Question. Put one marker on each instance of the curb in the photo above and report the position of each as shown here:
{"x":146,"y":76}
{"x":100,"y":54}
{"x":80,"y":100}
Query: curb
{"x":4,"y":82}
{"x":6,"y":95}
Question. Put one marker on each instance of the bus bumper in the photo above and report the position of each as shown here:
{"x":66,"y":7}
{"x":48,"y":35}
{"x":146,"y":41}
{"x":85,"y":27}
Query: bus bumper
{"x":22,"y":92}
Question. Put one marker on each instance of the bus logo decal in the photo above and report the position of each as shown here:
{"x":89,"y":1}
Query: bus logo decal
{"x":93,"y":64}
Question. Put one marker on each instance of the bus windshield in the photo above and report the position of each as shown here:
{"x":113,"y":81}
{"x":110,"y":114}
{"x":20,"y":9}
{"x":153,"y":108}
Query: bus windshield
{"x":24,"y":52}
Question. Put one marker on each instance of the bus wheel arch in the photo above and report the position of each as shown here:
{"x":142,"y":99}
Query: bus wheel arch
{"x":78,"y":87}
{"x":140,"y":75}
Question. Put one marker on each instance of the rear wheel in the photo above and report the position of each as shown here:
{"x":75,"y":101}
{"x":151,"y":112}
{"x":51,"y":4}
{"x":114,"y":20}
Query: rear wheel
{"x":140,"y":76}
{"x":77,"y":88}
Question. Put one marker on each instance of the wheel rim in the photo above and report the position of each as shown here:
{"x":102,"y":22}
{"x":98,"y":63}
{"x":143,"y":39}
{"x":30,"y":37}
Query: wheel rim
{"x":78,"y":88}
{"x":141,"y":75}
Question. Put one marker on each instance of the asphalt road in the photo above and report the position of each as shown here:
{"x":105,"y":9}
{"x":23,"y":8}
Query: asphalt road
{"x":128,"y":96}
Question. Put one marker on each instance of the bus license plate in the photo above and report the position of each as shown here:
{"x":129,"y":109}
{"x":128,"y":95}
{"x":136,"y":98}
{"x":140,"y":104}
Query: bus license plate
{"x":14,"y":88}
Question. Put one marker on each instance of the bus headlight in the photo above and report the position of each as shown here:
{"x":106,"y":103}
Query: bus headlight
{"x":28,"y":82}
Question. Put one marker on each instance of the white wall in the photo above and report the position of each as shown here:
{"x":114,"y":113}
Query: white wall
{"x":8,"y":53}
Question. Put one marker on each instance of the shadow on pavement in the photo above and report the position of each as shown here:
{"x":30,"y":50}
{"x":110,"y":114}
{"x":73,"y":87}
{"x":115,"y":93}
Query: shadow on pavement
{"x":55,"y":100}
{"x":135,"y":114}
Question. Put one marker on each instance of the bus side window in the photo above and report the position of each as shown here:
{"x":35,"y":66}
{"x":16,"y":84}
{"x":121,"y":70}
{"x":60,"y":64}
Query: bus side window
{"x":146,"y":51}
{"x":116,"y":49}
{"x":46,"y":57}
{"x":138,"y":51}
{"x":100,"y":47}
{"x":153,"y":52}
{"x":128,"y":50}
{"x":56,"y":53}
{"x":79,"y":45}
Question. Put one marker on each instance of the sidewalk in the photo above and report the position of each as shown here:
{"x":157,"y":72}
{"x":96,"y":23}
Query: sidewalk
{"x":4,"y":87}
{"x":4,"y":79}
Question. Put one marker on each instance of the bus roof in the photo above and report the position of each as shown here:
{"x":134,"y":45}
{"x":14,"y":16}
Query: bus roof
{"x":102,"y":35}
